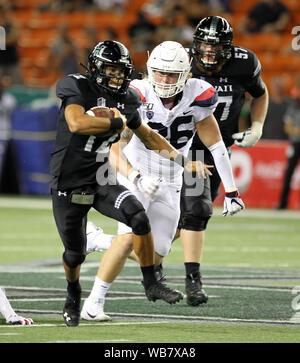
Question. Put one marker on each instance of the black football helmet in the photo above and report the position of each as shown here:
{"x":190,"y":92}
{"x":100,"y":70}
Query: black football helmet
{"x":216,"y":34}
{"x":114,"y":54}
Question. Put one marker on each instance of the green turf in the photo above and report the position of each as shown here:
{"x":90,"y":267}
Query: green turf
{"x":245,"y":242}
{"x":250,"y":266}
{"x":268,"y":304}
{"x":144,"y":332}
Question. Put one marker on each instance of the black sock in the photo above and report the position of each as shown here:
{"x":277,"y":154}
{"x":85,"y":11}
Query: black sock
{"x":192,"y":268}
{"x":148,"y":275}
{"x":158,"y":267}
{"x":74,"y":288}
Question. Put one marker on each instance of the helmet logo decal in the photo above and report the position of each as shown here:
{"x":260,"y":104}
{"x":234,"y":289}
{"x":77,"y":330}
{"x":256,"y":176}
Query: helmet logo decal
{"x":98,"y":50}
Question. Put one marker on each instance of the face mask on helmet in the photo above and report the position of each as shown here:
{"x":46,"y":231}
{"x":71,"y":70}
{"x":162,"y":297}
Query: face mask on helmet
{"x":212,"y":44}
{"x":110,"y":66}
{"x":168,"y":68}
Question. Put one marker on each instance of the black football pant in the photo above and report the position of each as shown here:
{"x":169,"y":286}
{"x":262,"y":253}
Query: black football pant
{"x":113,"y":201}
{"x":196,"y":210}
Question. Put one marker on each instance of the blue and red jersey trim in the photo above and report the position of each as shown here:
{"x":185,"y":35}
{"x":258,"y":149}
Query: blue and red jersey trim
{"x":206,"y":99}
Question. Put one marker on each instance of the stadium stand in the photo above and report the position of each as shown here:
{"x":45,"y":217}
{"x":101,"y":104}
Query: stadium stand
{"x":39,"y":28}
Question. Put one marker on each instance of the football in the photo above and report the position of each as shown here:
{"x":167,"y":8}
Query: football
{"x":101,"y":112}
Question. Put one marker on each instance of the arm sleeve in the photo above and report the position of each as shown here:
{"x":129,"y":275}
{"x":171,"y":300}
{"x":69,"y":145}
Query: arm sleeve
{"x":134,"y":121}
{"x":135,"y":100}
{"x":223,"y":165}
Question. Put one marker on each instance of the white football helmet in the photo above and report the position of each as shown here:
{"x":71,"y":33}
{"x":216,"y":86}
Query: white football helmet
{"x":169,"y":57}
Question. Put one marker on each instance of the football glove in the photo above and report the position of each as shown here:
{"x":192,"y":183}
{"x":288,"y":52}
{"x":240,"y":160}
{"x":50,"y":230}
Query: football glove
{"x":249,"y":137}
{"x":18,"y":320}
{"x":147,"y":185}
{"x":232,"y":203}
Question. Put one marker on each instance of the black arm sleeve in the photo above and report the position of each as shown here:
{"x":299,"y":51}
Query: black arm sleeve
{"x":133,"y":103}
{"x":134,"y":120}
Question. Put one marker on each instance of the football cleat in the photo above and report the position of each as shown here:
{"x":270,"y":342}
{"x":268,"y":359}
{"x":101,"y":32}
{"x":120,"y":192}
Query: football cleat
{"x":160,"y":291}
{"x":195,"y":295}
{"x":93,"y":310}
{"x":71,"y":311}
{"x":19,"y":320}
{"x":97,"y":240}
{"x":158,"y":273}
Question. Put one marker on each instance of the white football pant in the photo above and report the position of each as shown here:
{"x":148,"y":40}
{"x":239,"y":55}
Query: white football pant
{"x":163,"y":213}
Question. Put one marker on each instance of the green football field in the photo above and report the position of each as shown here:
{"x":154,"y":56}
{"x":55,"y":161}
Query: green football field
{"x":251,"y":271}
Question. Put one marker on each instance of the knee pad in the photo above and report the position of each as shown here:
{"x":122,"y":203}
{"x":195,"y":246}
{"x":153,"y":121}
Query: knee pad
{"x":192,"y":223}
{"x":73,"y":258}
{"x":197,"y":216}
{"x":136,"y":216}
{"x":140,"y":223}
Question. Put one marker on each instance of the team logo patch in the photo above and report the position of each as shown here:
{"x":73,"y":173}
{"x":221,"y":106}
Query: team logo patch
{"x":101,"y":102}
{"x":149,"y":114}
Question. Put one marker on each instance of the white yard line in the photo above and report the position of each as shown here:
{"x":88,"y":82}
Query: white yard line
{"x":163,"y":319}
{"x":45,"y":203}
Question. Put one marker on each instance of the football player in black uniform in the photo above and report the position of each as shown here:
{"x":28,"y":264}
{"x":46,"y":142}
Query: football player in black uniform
{"x":233,"y":71}
{"x":81,"y":177}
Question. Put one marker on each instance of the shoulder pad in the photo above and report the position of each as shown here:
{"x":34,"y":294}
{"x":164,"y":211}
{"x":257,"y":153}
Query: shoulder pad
{"x":207,"y":98}
{"x":246,"y":62}
{"x":137,"y":87}
{"x":202,"y":94}
{"x":133,"y":98}
{"x":69,"y":86}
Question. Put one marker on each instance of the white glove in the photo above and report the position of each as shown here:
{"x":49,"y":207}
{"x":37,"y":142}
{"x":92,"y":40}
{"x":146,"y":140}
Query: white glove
{"x":249,"y":137}
{"x":147,"y":185}
{"x":18,"y":320}
{"x":232,"y":203}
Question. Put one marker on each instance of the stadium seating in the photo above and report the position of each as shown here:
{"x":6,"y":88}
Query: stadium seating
{"x":38,"y":31}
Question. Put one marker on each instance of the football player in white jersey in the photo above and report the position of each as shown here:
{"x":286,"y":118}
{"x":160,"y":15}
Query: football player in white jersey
{"x":177,"y":107}
{"x":11,"y":317}
{"x":173,"y":105}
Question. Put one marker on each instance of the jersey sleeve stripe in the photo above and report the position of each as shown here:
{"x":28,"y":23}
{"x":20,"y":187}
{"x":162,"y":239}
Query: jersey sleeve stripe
{"x":143,"y":99}
{"x":206,"y":99}
{"x":257,"y":70}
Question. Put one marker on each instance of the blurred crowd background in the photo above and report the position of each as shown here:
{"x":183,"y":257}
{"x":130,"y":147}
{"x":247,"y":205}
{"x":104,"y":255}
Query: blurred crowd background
{"x":46,"y":39}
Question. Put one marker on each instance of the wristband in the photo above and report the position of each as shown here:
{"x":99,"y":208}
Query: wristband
{"x":233,"y":194}
{"x":181,"y":160}
{"x":116,"y":123}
